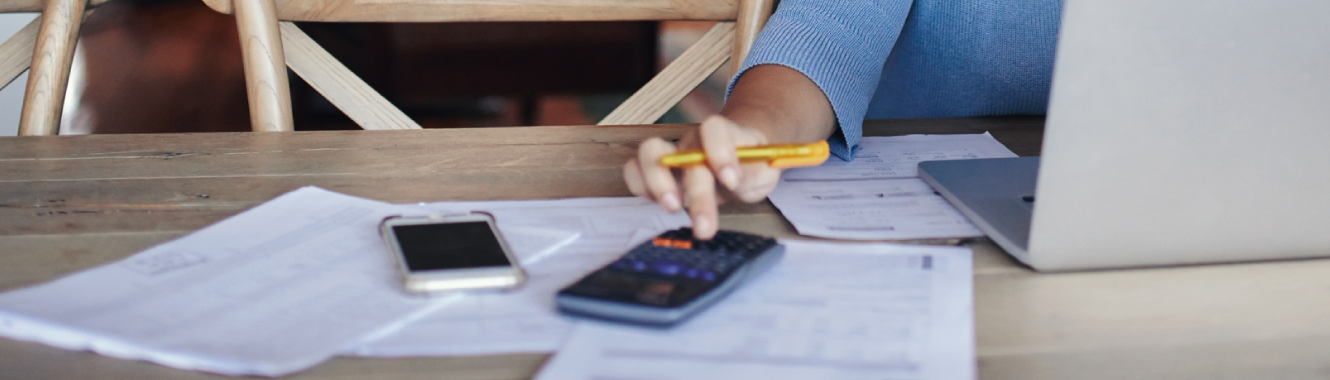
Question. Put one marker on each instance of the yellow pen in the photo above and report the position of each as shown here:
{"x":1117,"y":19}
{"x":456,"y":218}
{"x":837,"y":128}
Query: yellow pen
{"x":778,"y":156}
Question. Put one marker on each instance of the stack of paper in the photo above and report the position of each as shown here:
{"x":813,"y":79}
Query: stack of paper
{"x":879,"y":196}
{"x":843,"y":311}
{"x":285,"y":285}
{"x":270,"y":291}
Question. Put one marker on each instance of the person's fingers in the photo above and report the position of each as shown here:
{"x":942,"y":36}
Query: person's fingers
{"x":659,"y":181}
{"x":700,"y":195}
{"x":717,"y":134}
{"x":632,"y":175}
{"x":759,"y":180}
{"x":688,"y":141}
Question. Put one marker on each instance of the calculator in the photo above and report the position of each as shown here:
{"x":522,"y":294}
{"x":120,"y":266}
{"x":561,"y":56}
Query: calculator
{"x":670,"y":278}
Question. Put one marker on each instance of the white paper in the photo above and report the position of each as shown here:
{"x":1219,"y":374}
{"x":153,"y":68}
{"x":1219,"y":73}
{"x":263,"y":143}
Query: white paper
{"x":899,"y":156}
{"x":842,"y":311}
{"x":531,"y":244}
{"x":518,"y":321}
{"x":875,"y":209}
{"x":273,"y":290}
{"x":525,"y":320}
{"x":878,"y":196}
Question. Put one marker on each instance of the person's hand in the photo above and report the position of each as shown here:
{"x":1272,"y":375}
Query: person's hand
{"x":695,"y":187}
{"x":769,"y":104}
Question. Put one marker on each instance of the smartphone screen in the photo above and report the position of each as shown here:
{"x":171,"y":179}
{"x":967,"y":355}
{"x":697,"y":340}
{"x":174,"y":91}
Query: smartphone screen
{"x":428,"y":247}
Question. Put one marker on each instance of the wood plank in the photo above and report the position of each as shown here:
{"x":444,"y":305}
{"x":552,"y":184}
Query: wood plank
{"x":16,"y":52}
{"x":753,"y":15}
{"x":679,"y":78}
{"x":510,"y":140}
{"x":1282,"y":358}
{"x":195,"y":185}
{"x":338,"y":84}
{"x":188,"y":204}
{"x":96,"y":147}
{"x":265,"y":66}
{"x":1030,"y":313}
{"x":263,"y":159}
{"x":307,"y":162}
{"x":136,"y":205}
{"x":31,"y":259}
{"x":990,"y":260}
{"x":195,"y":180}
{"x":33,"y":361}
{"x":1257,"y":320}
{"x":22,"y":6}
{"x":48,"y":76}
{"x":82,"y":220}
{"x":488,"y":10}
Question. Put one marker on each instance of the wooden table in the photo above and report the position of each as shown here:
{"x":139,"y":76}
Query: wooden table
{"x":70,"y":203}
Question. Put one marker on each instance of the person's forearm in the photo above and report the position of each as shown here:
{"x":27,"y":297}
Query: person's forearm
{"x":782,"y":103}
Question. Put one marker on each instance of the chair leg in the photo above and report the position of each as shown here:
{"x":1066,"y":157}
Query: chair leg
{"x":265,"y":66}
{"x":678,"y":79}
{"x":753,"y":15}
{"x":52,"y":56}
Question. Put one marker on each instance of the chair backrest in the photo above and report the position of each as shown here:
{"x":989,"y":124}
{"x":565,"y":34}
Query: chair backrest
{"x":47,"y":46}
{"x":270,"y":43}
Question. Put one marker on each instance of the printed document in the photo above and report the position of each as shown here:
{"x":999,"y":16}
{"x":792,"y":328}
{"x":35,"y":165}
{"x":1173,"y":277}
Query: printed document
{"x":273,"y":290}
{"x":525,"y":320}
{"x":827,"y":310}
{"x":879,"y":196}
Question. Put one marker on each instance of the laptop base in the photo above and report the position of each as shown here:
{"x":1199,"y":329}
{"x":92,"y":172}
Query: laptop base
{"x":996,"y":194}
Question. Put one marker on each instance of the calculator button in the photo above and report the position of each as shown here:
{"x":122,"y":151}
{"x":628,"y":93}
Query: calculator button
{"x":692,"y":273}
{"x":638,"y":265}
{"x":667,"y":267}
{"x":709,"y":276}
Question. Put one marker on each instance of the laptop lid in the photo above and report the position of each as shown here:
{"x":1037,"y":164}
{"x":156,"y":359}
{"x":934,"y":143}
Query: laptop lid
{"x":1185,"y":131}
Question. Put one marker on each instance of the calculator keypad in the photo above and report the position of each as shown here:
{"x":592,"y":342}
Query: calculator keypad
{"x":676,"y":254}
{"x":669,"y":278}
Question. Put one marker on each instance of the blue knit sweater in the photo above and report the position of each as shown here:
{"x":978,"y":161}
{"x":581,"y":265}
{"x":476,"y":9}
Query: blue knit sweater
{"x":924,"y":58}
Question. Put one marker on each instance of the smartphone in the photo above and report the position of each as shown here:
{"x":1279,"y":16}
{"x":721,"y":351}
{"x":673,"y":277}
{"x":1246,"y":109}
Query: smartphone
{"x":443,"y":253}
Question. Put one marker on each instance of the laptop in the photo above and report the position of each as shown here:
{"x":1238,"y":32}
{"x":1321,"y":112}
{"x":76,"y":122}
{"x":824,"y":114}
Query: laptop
{"x":1178,"y":132}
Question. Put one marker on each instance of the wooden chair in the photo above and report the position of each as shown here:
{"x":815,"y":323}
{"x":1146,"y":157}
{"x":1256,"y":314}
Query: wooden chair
{"x":271,"y":42}
{"x":47,"y":46}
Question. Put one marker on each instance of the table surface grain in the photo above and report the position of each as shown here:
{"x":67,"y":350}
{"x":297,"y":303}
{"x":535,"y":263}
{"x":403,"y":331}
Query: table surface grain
{"x":69,"y":203}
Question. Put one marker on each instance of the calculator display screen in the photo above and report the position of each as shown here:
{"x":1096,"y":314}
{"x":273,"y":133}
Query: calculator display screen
{"x":438,"y":246}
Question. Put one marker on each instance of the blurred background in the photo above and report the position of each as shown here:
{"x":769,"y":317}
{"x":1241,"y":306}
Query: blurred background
{"x":175,"y":66}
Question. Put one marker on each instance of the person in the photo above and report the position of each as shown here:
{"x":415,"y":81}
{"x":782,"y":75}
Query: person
{"x":820,"y":67}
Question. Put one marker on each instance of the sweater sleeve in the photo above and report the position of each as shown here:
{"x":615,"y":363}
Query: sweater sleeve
{"x":841,"y":45}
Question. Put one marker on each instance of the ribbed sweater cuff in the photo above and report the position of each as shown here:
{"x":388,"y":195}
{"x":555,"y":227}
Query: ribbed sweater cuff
{"x":844,"y":59}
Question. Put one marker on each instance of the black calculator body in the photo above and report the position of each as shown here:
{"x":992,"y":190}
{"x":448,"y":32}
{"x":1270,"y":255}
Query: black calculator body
{"x":670,"y":278}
